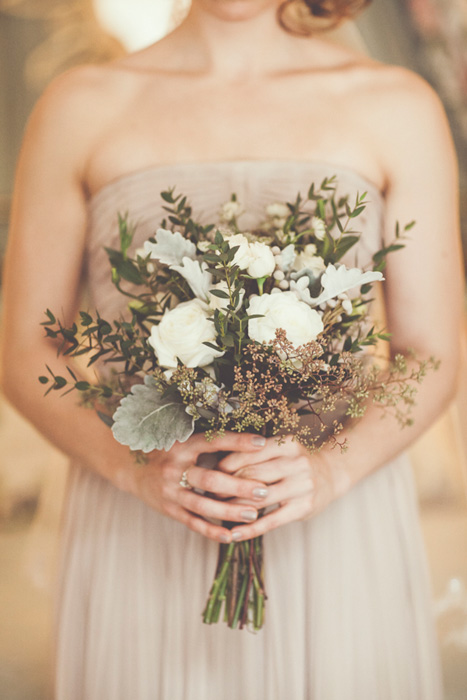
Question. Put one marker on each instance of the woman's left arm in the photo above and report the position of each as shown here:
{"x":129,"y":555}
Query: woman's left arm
{"x":423,"y":296}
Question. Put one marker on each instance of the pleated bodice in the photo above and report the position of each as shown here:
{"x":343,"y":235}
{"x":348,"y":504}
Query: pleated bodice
{"x":207,"y":186}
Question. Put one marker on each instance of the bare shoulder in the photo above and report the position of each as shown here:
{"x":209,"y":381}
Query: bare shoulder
{"x":78,"y":97}
{"x":402,"y":116}
{"x":399,"y":103}
{"x":73,"y":111}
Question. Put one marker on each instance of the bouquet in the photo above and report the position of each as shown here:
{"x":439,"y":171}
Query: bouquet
{"x":225,"y":329}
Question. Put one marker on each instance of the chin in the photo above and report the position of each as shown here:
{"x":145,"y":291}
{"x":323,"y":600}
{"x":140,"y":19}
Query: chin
{"x":237,"y":10}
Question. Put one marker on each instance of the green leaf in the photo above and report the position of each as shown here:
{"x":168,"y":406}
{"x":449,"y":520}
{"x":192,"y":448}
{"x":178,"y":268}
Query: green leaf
{"x":108,"y":420}
{"x":82,"y":386}
{"x":50,"y":316}
{"x":343,"y":246}
{"x":126,"y":232}
{"x":357,"y":211}
{"x":380,"y":254}
{"x":145,"y":421}
{"x":86,"y":319}
{"x":219,"y":293}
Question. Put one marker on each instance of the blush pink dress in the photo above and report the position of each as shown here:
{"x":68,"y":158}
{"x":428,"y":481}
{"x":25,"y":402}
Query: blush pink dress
{"x":349,"y":613}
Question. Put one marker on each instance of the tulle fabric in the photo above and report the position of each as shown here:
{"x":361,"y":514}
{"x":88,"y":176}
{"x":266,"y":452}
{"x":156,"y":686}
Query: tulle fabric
{"x":349,"y":613}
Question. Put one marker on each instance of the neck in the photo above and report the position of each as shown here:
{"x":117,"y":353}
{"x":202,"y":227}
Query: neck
{"x":234,"y":48}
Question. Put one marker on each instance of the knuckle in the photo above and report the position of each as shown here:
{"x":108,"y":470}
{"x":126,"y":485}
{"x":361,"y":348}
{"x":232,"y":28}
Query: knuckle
{"x":165,"y":490}
{"x":209,"y":480}
{"x":166,"y":470}
{"x":203,"y":508}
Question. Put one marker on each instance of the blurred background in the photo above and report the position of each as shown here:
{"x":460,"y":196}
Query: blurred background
{"x":38,"y":40}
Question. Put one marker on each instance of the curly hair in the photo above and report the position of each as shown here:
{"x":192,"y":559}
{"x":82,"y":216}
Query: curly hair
{"x":321,"y":14}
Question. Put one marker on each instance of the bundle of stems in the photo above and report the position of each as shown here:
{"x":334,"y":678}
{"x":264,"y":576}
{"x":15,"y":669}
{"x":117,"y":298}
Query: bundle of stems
{"x":238,"y":586}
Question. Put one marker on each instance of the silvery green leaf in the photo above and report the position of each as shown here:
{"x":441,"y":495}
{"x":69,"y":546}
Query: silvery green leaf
{"x":145,"y":421}
{"x":170,"y":247}
{"x":287,"y":257}
{"x":337,"y":280}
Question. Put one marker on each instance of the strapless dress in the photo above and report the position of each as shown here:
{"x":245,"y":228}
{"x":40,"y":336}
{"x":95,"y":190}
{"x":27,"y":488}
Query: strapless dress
{"x":349,"y":613}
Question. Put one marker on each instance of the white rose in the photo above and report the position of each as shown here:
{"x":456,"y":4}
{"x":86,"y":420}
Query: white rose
{"x":229,"y":211}
{"x":283,"y":310}
{"x":181,"y":334}
{"x":262,"y":263}
{"x":308,"y":259}
{"x":278,"y":210}
{"x":319,"y":227}
{"x":242,"y":256}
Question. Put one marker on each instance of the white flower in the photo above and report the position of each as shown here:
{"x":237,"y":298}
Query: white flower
{"x":229,"y":211}
{"x":170,"y":247}
{"x":203,"y":246}
{"x":216,"y":302}
{"x":262,"y":263}
{"x":277,"y":210}
{"x":337,"y":280}
{"x":255,"y":258}
{"x":242,"y":256}
{"x":197,"y":276}
{"x":181,"y":334}
{"x":308,"y":260}
{"x":283,"y":310}
{"x":319,"y":227}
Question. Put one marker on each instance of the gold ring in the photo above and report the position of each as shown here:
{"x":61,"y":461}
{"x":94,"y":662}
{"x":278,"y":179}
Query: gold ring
{"x":184,"y":480}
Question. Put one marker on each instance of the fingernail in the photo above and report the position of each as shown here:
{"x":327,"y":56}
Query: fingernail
{"x":224,"y":538}
{"x":249,"y":515}
{"x":236,"y":536}
{"x":258,"y":441}
{"x":260,"y":493}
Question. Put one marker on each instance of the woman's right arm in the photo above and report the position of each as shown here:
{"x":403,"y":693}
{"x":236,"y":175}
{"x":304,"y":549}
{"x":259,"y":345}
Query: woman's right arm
{"x":43,"y":269}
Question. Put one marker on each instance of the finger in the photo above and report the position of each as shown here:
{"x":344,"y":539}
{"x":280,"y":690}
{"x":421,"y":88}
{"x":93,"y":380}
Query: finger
{"x":225,"y":485}
{"x":296,"y":509}
{"x":237,"y":460}
{"x":288,"y":489}
{"x":199,"y":525}
{"x":241,"y":442}
{"x":276,"y":469}
{"x":220,"y":510}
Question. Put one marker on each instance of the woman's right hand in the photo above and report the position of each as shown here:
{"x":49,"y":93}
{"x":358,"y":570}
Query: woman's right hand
{"x":157,"y":483}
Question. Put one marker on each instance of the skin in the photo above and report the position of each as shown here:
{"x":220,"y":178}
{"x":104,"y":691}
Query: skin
{"x":203,"y":93}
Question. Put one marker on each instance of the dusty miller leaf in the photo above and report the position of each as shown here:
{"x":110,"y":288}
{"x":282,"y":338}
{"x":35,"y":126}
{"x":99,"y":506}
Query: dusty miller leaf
{"x":170,"y":247}
{"x":145,"y":421}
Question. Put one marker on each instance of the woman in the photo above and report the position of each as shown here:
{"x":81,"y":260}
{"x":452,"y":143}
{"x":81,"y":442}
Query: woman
{"x":232,"y":101}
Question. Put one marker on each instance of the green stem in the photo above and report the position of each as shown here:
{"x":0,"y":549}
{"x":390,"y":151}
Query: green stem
{"x":239,"y":605}
{"x":260,"y":282}
{"x":217,"y":585}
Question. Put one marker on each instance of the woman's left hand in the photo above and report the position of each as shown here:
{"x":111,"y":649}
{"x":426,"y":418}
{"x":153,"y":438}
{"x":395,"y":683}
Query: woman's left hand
{"x":300,"y":484}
